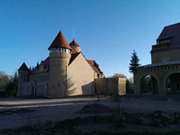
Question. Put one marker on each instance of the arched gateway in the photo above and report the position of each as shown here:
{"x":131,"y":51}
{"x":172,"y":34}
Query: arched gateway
{"x":149,"y":85}
{"x":173,"y":83}
{"x":162,"y":77}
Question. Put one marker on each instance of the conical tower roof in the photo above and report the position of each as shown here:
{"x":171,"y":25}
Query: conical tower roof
{"x":74,"y":43}
{"x":59,"y":42}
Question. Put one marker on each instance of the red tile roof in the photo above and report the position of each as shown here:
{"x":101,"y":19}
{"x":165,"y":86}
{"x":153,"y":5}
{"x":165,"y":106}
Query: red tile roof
{"x":74,"y":43}
{"x":75,"y":47}
{"x":92,"y":63}
{"x":73,"y":56}
{"x":59,"y":42}
{"x":95,"y":66}
{"x":171,"y":33}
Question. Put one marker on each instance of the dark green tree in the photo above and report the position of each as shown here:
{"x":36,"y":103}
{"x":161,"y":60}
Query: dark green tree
{"x":134,"y":62}
{"x":129,"y":86}
{"x":4,"y":80}
{"x":11,"y":87}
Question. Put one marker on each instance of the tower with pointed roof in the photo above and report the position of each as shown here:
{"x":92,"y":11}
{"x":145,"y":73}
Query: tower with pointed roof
{"x":59,"y":56}
{"x":75,"y":47}
{"x":65,"y":72}
{"x":23,"y":73}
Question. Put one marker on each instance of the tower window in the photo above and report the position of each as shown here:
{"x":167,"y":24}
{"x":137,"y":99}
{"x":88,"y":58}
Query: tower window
{"x":60,"y":50}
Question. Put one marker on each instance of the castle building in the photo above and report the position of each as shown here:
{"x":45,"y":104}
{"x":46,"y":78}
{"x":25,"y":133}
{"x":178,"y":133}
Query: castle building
{"x":65,"y":72}
{"x":162,"y":76}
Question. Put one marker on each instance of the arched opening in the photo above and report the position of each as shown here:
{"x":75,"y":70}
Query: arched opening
{"x":149,"y":85}
{"x":173,"y":84}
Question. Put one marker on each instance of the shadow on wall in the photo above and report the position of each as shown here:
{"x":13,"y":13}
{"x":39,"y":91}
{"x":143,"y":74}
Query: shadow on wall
{"x":110,"y":86}
{"x":107,"y":86}
{"x":71,"y":88}
{"x":89,"y":89}
{"x":75,"y":89}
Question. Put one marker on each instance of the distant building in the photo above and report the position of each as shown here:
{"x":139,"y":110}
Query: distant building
{"x":66,"y":72}
{"x":162,"y":76}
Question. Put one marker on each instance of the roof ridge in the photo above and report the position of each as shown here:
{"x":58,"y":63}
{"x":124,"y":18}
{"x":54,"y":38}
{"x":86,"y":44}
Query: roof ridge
{"x":23,"y":67}
{"x":172,"y":25}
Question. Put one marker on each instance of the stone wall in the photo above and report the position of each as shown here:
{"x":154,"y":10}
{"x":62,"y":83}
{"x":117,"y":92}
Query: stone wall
{"x":165,"y":55}
{"x":160,"y":73}
{"x":57,"y":84}
{"x":35,"y":86}
{"x":25,"y":89}
{"x":110,"y":86}
{"x":80,"y":77}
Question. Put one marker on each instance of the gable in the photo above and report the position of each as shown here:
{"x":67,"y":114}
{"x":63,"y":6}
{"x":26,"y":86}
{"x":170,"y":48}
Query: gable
{"x":80,"y":77}
{"x":80,"y":63}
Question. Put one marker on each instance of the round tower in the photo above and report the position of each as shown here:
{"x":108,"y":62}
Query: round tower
{"x":75,"y":47}
{"x":59,"y":56}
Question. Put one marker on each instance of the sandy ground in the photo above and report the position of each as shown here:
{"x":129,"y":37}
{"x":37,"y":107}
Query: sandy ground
{"x":20,"y":112}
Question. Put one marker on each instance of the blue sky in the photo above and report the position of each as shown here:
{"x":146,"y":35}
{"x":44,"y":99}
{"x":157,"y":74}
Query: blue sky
{"x":107,"y":30}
